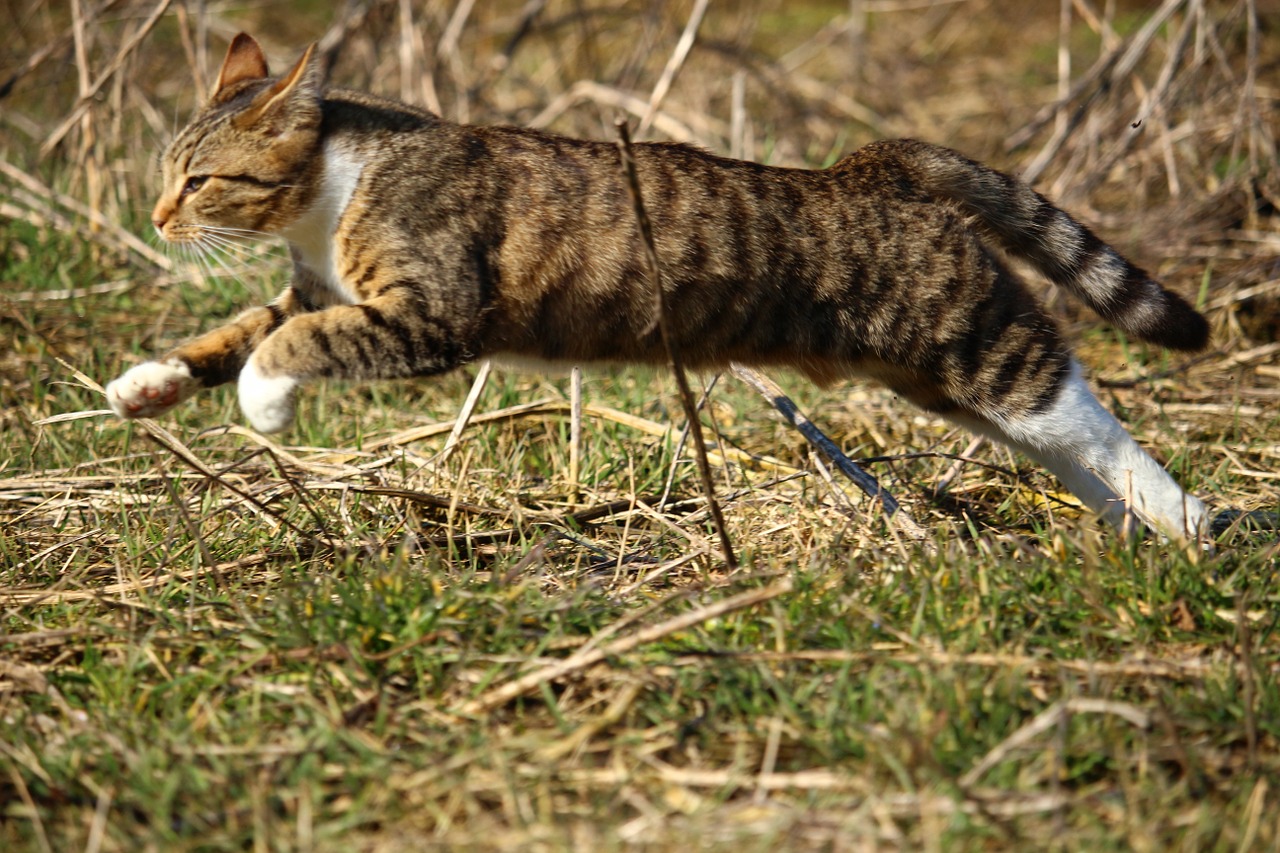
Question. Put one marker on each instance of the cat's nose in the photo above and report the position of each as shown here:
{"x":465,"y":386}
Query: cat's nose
{"x":160,"y":215}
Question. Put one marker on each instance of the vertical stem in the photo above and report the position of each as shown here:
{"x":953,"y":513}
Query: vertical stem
{"x":407,"y":71}
{"x":575,"y":433}
{"x":858,"y":37}
{"x":669,"y":340}
{"x":1064,"y":63}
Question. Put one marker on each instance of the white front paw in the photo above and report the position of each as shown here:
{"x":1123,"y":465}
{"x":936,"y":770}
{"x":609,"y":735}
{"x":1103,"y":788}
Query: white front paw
{"x":267,"y":401}
{"x":151,"y":388}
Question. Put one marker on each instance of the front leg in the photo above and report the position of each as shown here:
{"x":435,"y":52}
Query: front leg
{"x":390,"y":336}
{"x":154,"y":387}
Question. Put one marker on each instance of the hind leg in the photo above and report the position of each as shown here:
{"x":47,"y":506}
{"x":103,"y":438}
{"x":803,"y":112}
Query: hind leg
{"x":1096,"y":458}
{"x":1079,"y":480}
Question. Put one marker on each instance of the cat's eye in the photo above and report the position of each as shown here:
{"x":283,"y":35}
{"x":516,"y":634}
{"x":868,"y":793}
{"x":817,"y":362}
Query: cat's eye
{"x":192,"y":185}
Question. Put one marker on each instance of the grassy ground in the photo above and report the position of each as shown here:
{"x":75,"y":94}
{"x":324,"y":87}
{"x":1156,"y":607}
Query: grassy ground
{"x":346,"y":638}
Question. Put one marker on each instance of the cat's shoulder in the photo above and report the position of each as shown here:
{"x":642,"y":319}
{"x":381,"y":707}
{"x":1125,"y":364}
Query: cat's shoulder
{"x":352,"y":108}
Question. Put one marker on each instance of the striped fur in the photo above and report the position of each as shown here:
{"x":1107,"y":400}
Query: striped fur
{"x":1029,"y":226}
{"x":420,"y":245}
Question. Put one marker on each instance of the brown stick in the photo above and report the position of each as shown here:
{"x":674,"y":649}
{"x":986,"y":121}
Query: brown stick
{"x":669,"y":341}
{"x":772,"y":392}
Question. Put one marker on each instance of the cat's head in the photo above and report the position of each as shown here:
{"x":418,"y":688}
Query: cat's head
{"x":248,"y":161}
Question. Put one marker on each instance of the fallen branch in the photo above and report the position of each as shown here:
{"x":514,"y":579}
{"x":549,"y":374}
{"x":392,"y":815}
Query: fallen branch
{"x":778,"y":398}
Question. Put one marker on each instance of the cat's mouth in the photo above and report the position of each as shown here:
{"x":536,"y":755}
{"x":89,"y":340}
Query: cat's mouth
{"x":178,"y":233}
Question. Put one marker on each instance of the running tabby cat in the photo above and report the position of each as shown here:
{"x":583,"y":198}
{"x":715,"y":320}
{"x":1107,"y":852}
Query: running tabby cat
{"x":420,"y":245}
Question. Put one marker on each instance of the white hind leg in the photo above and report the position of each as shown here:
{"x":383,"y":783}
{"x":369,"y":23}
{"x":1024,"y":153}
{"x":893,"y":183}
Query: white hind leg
{"x":1079,"y":480}
{"x":1092,"y":454}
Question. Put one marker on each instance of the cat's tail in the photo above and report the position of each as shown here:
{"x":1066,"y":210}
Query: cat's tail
{"x":1029,"y":226}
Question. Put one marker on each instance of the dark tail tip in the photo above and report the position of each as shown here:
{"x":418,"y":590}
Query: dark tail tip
{"x":1171,"y":322}
{"x":1192,"y":329}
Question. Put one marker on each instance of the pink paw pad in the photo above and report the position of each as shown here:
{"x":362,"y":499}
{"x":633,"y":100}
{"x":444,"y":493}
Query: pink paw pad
{"x":164,"y":396}
{"x":149,"y":389}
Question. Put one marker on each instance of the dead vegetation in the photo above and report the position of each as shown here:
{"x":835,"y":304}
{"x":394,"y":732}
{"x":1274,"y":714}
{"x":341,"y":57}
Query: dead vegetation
{"x":479,"y":629}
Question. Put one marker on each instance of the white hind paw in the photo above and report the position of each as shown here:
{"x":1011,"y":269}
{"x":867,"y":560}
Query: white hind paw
{"x":267,"y":401}
{"x":151,"y":388}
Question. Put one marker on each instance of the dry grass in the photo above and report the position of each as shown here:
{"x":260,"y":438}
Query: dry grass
{"x":365,"y":636}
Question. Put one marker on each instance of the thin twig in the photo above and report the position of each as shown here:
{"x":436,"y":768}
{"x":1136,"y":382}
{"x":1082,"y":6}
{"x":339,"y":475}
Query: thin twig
{"x":768,"y":389}
{"x":468,"y":408}
{"x":674,"y":64}
{"x":575,"y":433}
{"x":669,"y":340}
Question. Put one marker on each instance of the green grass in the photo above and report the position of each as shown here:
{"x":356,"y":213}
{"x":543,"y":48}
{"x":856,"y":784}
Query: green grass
{"x":214,"y":641}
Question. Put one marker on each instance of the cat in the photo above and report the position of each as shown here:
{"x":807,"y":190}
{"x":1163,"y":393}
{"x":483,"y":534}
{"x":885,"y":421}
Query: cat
{"x":420,"y":245}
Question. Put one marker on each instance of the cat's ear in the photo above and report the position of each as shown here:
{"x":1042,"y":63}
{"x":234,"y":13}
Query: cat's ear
{"x":245,"y":61}
{"x":296,"y":94}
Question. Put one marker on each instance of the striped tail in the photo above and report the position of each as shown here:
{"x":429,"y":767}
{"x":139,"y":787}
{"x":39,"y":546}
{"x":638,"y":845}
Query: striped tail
{"x":1028,"y":226}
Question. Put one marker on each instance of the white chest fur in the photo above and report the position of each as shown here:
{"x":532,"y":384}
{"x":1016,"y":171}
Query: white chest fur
{"x":312,"y":234}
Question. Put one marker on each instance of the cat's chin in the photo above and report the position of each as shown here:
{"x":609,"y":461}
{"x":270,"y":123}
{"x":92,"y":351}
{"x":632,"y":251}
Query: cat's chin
{"x":267,"y":401}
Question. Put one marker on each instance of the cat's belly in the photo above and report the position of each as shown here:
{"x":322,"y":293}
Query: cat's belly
{"x":552,"y":366}
{"x":530,"y":364}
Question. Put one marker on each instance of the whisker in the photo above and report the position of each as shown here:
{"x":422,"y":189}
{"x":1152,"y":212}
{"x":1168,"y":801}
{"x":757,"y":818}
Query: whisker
{"x":223,"y":229}
{"x":222,"y":240}
{"x":213,"y":255}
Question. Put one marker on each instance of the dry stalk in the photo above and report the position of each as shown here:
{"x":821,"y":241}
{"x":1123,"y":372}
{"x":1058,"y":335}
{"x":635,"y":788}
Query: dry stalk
{"x":42,"y":199}
{"x":86,"y":97}
{"x":1110,"y":71}
{"x":590,"y":657}
{"x":1170,"y":670}
{"x":575,"y":433}
{"x":34,"y":597}
{"x":34,"y":813}
{"x":540,"y":408}
{"x":184,"y":454}
{"x":55,"y":46}
{"x":674,"y":65}
{"x":612,"y":715}
{"x":468,"y":408}
{"x":1049,"y":719}
{"x":669,"y":341}
{"x":1152,"y":103}
{"x":608,"y":96}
